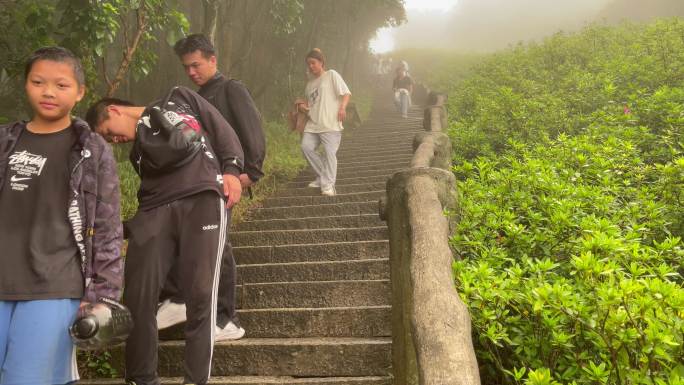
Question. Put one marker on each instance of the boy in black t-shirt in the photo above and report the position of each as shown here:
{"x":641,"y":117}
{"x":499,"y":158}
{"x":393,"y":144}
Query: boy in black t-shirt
{"x":60,"y":227}
{"x":180,"y":220}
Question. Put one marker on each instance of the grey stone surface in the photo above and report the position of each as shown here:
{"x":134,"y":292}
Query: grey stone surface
{"x":341,"y":189}
{"x":342,"y":221}
{"x":313,"y":294}
{"x":333,"y":251}
{"x":309,"y":175}
{"x":371,"y":165}
{"x":365,"y":161}
{"x":432,"y":149}
{"x":369,"y":269}
{"x":303,"y":182}
{"x":288,"y":237}
{"x":375,"y":157}
{"x":300,"y":357}
{"x":316,"y":198}
{"x":330,"y":209}
{"x":362,"y":321}
{"x":260,"y":380}
{"x":377,"y":152}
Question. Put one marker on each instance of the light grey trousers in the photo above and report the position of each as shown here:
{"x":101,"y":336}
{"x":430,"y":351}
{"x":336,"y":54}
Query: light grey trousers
{"x":324,"y":165}
{"x":402,"y":99}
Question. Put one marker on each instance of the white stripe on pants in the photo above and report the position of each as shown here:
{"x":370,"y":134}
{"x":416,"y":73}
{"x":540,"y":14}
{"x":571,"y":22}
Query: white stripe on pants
{"x":325,"y":166}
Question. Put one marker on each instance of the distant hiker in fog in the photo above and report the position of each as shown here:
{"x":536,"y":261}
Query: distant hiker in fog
{"x":327,"y":96}
{"x":387,"y":66}
{"x":379,"y":68}
{"x":403,"y":88}
{"x":404,"y":65}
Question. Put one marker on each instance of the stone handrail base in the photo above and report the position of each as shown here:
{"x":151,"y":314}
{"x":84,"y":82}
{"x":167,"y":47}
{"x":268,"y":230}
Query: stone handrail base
{"x":431,"y":329}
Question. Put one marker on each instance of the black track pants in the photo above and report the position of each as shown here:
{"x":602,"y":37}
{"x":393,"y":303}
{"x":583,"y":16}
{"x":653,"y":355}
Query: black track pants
{"x":189,"y":233}
{"x":226,"y":294}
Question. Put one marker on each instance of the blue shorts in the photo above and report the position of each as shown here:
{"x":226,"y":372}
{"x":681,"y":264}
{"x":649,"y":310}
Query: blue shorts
{"x":35,"y":347}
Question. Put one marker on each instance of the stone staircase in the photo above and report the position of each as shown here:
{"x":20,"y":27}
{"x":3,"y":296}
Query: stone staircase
{"x":314,"y":290}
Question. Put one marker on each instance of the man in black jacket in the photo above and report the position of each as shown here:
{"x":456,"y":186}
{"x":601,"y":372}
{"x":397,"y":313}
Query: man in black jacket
{"x":181,"y":219}
{"x":235,"y":103}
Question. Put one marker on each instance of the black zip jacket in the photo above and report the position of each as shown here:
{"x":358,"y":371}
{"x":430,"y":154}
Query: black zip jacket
{"x":93,"y":208}
{"x":234,"y":102}
{"x":222,"y":154}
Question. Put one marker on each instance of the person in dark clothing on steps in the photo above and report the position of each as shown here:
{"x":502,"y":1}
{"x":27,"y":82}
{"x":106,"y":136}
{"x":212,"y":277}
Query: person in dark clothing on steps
{"x":181,"y":219}
{"x":234,"y":102}
{"x":403,"y":88}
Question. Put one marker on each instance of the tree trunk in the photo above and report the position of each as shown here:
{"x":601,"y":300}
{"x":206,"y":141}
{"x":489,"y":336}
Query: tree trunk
{"x":224,"y":42}
{"x":128,"y":52}
{"x":211,"y":8}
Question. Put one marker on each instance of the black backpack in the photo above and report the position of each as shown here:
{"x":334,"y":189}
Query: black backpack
{"x":170,"y":143}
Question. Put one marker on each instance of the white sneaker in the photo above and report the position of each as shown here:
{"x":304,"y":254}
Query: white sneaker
{"x":170,"y":314}
{"x":230,"y":332}
{"x":329,"y":192}
{"x":316,"y":183}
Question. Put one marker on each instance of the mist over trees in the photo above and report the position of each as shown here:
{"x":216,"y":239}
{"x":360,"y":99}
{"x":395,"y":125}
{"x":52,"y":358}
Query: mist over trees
{"x":126,"y":45}
{"x":488,"y":25}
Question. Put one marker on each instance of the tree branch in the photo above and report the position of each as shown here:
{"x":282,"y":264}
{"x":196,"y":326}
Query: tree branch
{"x":104,"y":72}
{"x":129,"y":51}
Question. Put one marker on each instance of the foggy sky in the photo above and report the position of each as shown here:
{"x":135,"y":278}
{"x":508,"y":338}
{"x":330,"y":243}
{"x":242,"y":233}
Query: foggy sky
{"x":486,"y":25}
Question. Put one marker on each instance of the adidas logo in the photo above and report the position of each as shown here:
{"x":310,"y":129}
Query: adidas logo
{"x":209,"y":227}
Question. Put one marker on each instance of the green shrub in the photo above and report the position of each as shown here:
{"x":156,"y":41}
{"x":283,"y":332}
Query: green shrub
{"x":283,"y":162}
{"x":570,"y":167}
{"x":569,"y":263}
{"x":532,"y":93}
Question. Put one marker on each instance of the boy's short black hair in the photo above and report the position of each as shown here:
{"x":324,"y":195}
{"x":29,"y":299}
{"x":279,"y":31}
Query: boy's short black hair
{"x":192,"y":43}
{"x":97,"y":113}
{"x":57,"y":54}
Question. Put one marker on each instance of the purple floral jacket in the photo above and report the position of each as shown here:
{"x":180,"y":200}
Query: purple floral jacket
{"x":93,"y":210}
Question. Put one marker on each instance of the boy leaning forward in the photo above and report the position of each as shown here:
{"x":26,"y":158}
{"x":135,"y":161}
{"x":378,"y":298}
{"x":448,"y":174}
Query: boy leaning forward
{"x":181,"y":221}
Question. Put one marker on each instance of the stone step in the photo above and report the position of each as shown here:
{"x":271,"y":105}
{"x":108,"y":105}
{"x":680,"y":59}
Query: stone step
{"x":342,"y":221}
{"x":394,"y":138}
{"x":296,"y":357}
{"x":317,"y":199}
{"x":374,"y":165}
{"x":313,"y":294}
{"x":289,"y":237}
{"x":386,"y":130}
{"x":259,"y":380}
{"x":345,"y":170}
{"x":386,"y":170}
{"x":352,"y":152}
{"x":334,"y":251}
{"x":371,"y":159}
{"x":341,"y":189}
{"x":376,"y":142}
{"x":381,"y":131}
{"x":303,"y":182}
{"x":322,"y":210}
{"x":307,"y":176}
{"x":370,"y":155}
{"x":367,"y":269}
{"x":363,"y":321}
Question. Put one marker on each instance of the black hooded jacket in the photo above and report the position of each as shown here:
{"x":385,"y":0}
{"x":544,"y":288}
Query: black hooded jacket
{"x":233,"y":100}
{"x":221,"y":155}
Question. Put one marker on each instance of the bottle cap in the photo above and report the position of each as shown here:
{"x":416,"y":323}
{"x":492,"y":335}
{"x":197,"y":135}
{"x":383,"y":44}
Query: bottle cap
{"x":86,"y":327}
